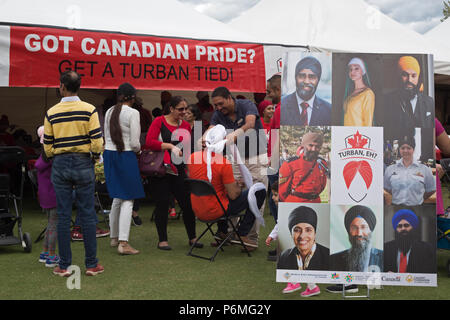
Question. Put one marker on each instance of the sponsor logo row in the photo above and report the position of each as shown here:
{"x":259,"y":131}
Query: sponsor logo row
{"x":368,"y":278}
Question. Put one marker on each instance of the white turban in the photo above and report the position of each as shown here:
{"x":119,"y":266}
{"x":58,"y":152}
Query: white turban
{"x":215,"y":142}
{"x":359,"y":62}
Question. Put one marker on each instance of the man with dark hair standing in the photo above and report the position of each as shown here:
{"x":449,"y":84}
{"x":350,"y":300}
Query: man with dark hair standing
{"x":72,"y":134}
{"x":303,"y":107}
{"x":360,"y":222}
{"x":241,"y":117}
{"x":407,"y":253}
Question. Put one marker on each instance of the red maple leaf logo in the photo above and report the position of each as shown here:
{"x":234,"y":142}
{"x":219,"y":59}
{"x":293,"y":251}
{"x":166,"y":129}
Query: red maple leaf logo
{"x":357,"y":141}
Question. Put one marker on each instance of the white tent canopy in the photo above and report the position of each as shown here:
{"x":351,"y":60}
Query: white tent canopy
{"x":168,"y":18}
{"x":350,"y":25}
{"x":440,"y":34}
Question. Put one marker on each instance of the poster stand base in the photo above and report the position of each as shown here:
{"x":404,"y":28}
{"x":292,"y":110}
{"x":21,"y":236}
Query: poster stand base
{"x":353,"y":296}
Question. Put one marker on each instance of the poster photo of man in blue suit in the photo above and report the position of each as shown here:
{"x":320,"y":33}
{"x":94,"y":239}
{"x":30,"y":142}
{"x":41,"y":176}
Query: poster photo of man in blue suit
{"x":304,"y":107}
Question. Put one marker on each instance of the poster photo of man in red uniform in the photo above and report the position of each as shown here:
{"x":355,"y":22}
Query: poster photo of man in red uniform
{"x":304,"y":175}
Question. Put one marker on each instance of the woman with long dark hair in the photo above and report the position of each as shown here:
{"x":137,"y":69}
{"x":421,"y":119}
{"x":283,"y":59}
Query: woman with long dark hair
{"x":359,"y":99}
{"x":168,"y":133}
{"x":123,"y":180}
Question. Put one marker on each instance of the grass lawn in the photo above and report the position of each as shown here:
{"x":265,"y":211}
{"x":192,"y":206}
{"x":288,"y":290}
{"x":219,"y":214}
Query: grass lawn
{"x":156,"y":274}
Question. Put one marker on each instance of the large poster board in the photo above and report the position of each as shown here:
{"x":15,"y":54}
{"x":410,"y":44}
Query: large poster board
{"x":356,"y":182}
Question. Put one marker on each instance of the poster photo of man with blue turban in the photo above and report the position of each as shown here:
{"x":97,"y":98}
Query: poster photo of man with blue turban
{"x":306,"y":89}
{"x":408,"y":252}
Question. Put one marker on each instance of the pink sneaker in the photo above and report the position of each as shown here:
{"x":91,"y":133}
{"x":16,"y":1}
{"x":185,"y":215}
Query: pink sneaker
{"x":310,"y":292}
{"x":172,"y":213}
{"x":292,"y":287}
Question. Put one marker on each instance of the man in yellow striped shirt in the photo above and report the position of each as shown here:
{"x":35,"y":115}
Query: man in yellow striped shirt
{"x":71,"y":134}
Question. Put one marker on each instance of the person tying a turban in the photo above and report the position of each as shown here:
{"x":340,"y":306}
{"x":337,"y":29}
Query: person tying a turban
{"x":407,"y":253}
{"x":303,"y":107}
{"x":210,"y":165}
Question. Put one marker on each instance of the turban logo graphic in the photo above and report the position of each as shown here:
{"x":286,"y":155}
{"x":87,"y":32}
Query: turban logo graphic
{"x":359,"y":191}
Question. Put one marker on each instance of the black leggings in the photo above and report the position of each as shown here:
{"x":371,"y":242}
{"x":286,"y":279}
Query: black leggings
{"x":163,"y":187}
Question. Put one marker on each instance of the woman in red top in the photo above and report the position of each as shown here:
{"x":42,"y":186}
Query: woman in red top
{"x":171,"y":134}
{"x":266,"y":111}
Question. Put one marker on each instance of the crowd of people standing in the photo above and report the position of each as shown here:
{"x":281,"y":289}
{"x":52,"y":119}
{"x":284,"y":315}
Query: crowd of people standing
{"x":76,"y":135}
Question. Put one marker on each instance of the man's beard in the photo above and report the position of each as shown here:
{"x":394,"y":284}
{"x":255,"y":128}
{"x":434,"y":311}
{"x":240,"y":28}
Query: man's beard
{"x":408,"y":93}
{"x":359,"y":253}
{"x":305,"y":94}
{"x":310,"y":155}
{"x":405,"y":239}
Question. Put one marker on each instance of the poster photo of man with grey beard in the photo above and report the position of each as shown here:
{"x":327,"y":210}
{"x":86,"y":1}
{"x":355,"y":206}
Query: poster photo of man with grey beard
{"x":362,"y":256}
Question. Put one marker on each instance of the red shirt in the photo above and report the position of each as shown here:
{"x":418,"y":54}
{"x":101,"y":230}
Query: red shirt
{"x":160,"y":128}
{"x":207,"y":207}
{"x":293,"y":172}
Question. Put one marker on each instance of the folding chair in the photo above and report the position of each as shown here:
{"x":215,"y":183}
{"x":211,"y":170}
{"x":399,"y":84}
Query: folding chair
{"x":204,"y":188}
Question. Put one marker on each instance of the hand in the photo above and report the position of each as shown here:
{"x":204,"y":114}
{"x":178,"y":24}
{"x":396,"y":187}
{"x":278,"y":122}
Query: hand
{"x":241,"y":183}
{"x":177,"y":151}
{"x":231,"y":138}
{"x":440,"y":170}
{"x":268,"y":241}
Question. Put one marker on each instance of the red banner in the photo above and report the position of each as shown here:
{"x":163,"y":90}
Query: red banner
{"x":105,"y":60}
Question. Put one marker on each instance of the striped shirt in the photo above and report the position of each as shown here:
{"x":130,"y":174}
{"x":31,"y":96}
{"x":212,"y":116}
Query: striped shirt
{"x":72,"y":126}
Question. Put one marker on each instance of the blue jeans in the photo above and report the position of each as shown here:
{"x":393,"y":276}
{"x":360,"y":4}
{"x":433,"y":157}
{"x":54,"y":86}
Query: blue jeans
{"x":75,"y":172}
{"x":238,"y":205}
{"x":77,"y":222}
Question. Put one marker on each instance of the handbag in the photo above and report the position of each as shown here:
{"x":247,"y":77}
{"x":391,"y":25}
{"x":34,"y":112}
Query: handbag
{"x":151,"y":163}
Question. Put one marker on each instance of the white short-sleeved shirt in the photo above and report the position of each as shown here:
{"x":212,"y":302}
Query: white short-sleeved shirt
{"x":408,"y":184}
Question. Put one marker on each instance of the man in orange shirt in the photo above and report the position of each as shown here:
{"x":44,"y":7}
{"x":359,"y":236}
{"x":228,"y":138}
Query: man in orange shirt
{"x":220,"y":174}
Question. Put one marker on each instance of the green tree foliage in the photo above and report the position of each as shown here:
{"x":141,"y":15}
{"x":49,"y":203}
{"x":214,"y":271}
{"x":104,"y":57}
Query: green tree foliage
{"x":446,"y":10}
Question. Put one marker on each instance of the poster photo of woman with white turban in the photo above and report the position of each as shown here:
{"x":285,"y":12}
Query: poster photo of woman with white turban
{"x":354,"y":99}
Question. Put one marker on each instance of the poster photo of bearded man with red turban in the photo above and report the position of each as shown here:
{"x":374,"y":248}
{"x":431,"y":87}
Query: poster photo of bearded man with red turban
{"x":305,"y":175}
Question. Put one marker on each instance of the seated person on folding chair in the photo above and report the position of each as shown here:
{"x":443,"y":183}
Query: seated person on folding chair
{"x":210,"y":165}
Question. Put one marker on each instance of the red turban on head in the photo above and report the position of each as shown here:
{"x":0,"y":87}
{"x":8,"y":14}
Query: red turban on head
{"x":262,"y":106}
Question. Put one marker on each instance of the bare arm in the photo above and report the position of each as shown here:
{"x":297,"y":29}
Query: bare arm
{"x":443,"y":143}
{"x":233,"y":190}
{"x":250,"y":121}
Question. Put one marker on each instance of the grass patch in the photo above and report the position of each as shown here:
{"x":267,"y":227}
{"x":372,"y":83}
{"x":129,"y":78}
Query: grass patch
{"x":159,"y":275}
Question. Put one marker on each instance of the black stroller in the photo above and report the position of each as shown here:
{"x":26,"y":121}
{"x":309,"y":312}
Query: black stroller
{"x":12,"y":176}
